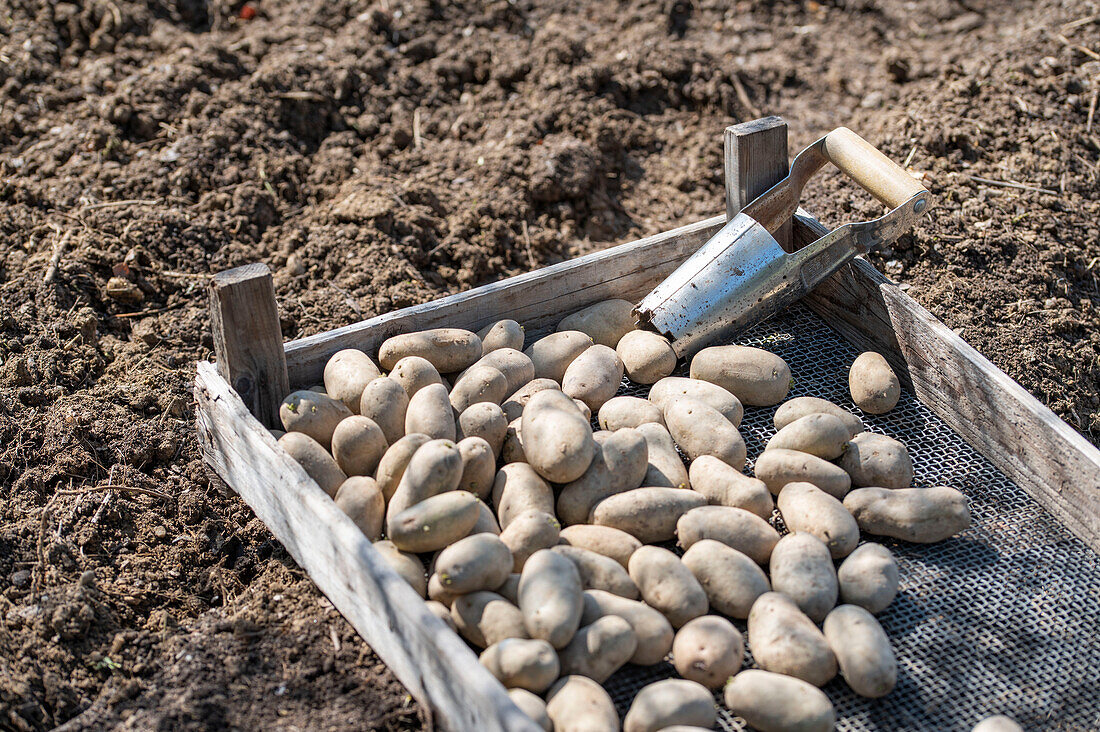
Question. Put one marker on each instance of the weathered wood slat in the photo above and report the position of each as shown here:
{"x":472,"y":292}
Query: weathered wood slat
{"x":437,"y":668}
{"x":537,"y":299}
{"x":1042,"y":454}
{"x":756,"y":159}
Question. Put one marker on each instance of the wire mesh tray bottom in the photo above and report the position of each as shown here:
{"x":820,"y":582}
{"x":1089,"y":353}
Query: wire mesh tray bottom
{"x":1002,"y":619}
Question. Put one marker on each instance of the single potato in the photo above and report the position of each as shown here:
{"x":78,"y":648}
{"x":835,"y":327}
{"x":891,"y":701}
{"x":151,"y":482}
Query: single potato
{"x":869,"y":578}
{"x":430,"y":412}
{"x":735,"y":527}
{"x":478,"y":384}
{"x":386,"y":402}
{"x":594,"y":376}
{"x":484,"y":618}
{"x":609,"y":542}
{"x":708,"y":650}
{"x":671,"y":388}
{"x":605,"y":322}
{"x":648,"y":514}
{"x":772,"y":702}
{"x":785,"y":641}
{"x":479,"y":467}
{"x":820,"y":435}
{"x":407,"y":566}
{"x":552,"y":355}
{"x":527,"y":533}
{"x":522,"y":663}
{"x":600,"y":649}
{"x":755,"y":376}
{"x":805,"y":507}
{"x":778,"y":466}
{"x":874,"y":385}
{"x":313,"y":414}
{"x":518,"y":489}
{"x":647,"y":357}
{"x":434,"y":522}
{"x":918,"y":515}
{"x":599,"y":572}
{"x":628,"y":411}
{"x":358,"y":445}
{"x":448,"y":349}
{"x":347,"y":373}
{"x":877,"y":460}
{"x":579,"y":704}
{"x":557,"y":439}
{"x":501,"y":334}
{"x":862,"y":651}
{"x":533,"y":706}
{"x":413,"y":373}
{"x":721,"y":485}
{"x":668,"y":702}
{"x":551,"y":597}
{"x":666,"y":467}
{"x":731,"y":580}
{"x":360,"y":498}
{"x":315,"y":460}
{"x":667,"y":585}
{"x":517,"y":368}
{"x":699,"y":429}
{"x":485,"y":420}
{"x":478,"y":562}
{"x":802,"y":569}
{"x":799,"y":407}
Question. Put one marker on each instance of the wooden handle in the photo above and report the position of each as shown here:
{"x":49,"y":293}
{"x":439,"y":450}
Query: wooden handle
{"x":862,"y":162}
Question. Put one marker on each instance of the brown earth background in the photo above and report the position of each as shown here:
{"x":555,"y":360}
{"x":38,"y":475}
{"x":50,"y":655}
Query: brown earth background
{"x":382,"y":154}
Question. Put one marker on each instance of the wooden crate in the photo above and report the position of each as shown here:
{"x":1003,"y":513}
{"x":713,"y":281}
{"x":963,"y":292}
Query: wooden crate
{"x":1000,"y":419}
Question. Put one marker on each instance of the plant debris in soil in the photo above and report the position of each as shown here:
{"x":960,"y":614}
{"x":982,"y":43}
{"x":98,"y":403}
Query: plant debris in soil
{"x":381,"y":154}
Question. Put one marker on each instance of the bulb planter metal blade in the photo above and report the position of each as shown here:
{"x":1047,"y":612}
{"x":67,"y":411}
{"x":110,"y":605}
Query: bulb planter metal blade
{"x":742,"y":276}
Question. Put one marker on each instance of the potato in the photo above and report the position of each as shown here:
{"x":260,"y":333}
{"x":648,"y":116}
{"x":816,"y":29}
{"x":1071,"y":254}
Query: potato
{"x":442,"y":612}
{"x":557,"y":439}
{"x":647,"y":357}
{"x":533,"y":706}
{"x":517,"y":489}
{"x":821,"y":435}
{"x":314,"y":459}
{"x":550,"y":597}
{"x":579,"y":704}
{"x":772,"y":702}
{"x":408,"y":566}
{"x":312,"y":414}
{"x":651,"y":629}
{"x":513,"y":406}
{"x":438,"y":593}
{"x":319,"y":388}
{"x":700,"y":429}
{"x":479,"y":467}
{"x":413,"y":373}
{"x":448,"y":349}
{"x":668,"y":702}
{"x":997,"y":723}
{"x":778,"y":466}
{"x":501,"y":334}
{"x":785,"y":641}
{"x":721,"y":485}
{"x":391,"y":468}
{"x":522,"y":663}
{"x":478,"y":384}
{"x":666,"y":467}
{"x":510,"y":589}
{"x":358,"y":444}
{"x":360,"y":498}
{"x":486,"y":521}
{"x":385,"y":401}
{"x":805,"y":507}
{"x":667,"y":585}
{"x":708,"y":650}
{"x":512,"y":449}
{"x":430,"y":412}
{"x":877,"y":460}
{"x":627,"y":411}
{"x":605,"y":322}
{"x":436,"y":467}
{"x":862,"y":651}
{"x":478,"y":562}
{"x":346,"y":373}
{"x":874,"y":385}
{"x":731,"y":580}
{"x":600,"y":649}
{"x":599,"y":572}
{"x":434,"y":522}
{"x":755,"y":376}
{"x":552,"y":355}
{"x":594,"y":376}
{"x":514,"y":364}
{"x":800,"y":407}
{"x":735,"y":527}
{"x":484,"y":618}
{"x":671,"y":388}
{"x":802,"y":569}
{"x":527,"y":533}
{"x":919,"y":515}
{"x":484,"y":420}
{"x":609,"y":542}
{"x":619,"y":464}
{"x":648,"y":514}
{"x":869,"y":578}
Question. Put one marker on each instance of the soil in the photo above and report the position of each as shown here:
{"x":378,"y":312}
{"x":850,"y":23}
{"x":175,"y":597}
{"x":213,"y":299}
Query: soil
{"x":377,"y":155}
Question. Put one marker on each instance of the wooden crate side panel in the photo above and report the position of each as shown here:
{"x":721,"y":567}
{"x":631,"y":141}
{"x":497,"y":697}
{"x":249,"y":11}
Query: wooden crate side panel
{"x":437,"y":668}
{"x":1042,"y":454}
{"x":536,"y":299}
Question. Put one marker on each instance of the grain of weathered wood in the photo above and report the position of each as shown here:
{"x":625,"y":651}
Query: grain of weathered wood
{"x":248,"y":341}
{"x":1042,"y":454}
{"x":437,"y":667}
{"x":755,"y":160}
{"x":537,"y":299}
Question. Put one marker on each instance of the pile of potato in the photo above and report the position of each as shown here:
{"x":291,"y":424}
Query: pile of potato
{"x":478,"y":454}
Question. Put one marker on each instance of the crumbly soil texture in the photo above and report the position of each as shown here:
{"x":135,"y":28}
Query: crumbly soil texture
{"x":381,"y":154}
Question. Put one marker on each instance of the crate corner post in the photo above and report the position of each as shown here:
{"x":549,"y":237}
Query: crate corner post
{"x":248,"y":339}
